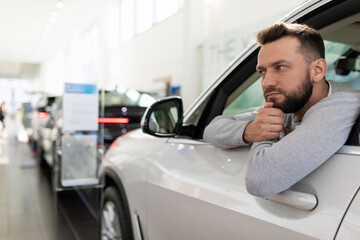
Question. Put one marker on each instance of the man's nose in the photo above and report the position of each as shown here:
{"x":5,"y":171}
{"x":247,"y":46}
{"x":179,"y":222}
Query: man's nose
{"x":269,"y":80}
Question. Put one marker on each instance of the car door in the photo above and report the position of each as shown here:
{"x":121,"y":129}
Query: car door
{"x":197,"y":191}
{"x":350,"y":227}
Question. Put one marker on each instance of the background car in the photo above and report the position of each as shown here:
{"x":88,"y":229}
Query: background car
{"x":122,"y":112}
{"x":40,"y":117}
{"x":167,"y":183}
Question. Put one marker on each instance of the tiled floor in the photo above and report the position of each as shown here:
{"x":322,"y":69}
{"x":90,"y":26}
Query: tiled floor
{"x":29,"y":209}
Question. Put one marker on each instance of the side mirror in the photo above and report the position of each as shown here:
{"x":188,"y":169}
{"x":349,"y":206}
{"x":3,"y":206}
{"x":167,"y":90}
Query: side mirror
{"x":163,"y":118}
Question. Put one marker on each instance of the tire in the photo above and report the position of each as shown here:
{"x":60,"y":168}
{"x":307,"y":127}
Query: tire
{"x":115,"y":222}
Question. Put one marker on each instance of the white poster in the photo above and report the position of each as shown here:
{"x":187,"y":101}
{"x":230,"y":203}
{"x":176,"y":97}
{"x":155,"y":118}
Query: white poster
{"x":80,"y":107}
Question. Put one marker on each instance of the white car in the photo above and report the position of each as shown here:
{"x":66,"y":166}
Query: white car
{"x":164,"y":182}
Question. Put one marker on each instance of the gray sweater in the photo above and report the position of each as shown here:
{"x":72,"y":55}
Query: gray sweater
{"x":276,"y":165}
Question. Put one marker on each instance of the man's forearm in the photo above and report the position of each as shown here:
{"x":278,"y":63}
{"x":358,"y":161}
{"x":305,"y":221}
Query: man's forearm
{"x":227,"y":131}
{"x":274,"y":166}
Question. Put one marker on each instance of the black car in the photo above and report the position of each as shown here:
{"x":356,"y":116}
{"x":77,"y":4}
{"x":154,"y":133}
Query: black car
{"x":123,"y":110}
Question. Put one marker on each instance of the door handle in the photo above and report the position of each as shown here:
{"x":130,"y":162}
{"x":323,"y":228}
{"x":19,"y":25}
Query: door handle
{"x":299,"y":200}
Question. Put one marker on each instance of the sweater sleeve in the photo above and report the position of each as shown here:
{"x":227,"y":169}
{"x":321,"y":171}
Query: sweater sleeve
{"x":227,"y":131}
{"x":276,"y":166}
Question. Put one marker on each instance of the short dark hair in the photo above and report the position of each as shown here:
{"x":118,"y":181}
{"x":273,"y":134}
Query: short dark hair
{"x":311,"y":43}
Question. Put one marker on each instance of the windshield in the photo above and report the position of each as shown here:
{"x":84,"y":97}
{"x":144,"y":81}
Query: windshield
{"x":129,"y":98}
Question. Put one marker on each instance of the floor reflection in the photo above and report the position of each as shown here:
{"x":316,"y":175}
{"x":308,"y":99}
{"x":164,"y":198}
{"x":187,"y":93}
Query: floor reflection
{"x":29,"y":209}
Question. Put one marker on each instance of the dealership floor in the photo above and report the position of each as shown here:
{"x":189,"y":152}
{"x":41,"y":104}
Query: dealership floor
{"x":29,"y":208}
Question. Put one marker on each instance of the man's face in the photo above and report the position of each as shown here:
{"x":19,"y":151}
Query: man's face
{"x":285,"y":74}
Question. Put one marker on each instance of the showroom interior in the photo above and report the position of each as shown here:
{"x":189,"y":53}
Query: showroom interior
{"x":157,"y":47}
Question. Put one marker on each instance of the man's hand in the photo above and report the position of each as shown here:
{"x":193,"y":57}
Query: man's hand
{"x":267,"y":125}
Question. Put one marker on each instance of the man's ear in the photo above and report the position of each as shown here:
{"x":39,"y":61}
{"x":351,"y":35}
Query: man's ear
{"x":318,"y":70}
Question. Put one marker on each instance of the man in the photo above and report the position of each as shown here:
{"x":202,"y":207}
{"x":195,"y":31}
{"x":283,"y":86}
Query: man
{"x":305,"y":119}
{"x":2,"y":117}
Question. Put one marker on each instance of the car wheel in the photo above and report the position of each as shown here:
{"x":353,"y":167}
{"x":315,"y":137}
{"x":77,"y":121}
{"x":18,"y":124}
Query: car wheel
{"x":115,"y":224}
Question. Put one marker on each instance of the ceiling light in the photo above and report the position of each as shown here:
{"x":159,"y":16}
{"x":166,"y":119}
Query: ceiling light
{"x":54,"y":14}
{"x":52,"y":20}
{"x":59,"y":4}
{"x":48,"y":26}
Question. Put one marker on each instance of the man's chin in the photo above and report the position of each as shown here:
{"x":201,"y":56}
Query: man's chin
{"x":278,"y":105}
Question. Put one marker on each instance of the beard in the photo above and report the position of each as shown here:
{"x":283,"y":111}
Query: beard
{"x":294,"y":100}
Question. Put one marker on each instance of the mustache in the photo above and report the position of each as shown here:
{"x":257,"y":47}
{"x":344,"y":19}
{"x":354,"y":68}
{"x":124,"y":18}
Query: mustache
{"x":273,"y":89}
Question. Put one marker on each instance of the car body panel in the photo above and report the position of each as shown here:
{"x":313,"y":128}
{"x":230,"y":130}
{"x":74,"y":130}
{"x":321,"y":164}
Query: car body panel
{"x":350,"y":227}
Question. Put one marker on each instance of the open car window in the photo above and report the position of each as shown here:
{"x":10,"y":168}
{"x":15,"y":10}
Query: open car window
{"x":343,"y":66}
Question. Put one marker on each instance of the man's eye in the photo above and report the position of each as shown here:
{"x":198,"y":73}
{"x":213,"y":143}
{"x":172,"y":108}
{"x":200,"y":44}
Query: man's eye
{"x":261,"y":72}
{"x":281,"y":67}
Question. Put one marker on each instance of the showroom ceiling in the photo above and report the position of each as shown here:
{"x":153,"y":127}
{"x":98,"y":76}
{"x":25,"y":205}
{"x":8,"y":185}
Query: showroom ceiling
{"x":30,"y":36}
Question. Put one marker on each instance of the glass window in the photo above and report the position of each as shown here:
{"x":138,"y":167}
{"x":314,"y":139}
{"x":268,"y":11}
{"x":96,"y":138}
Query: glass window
{"x":127,"y":97}
{"x":113,"y":99}
{"x":144,"y":15}
{"x":136,"y":16}
{"x":250,"y":99}
{"x":127,"y":19}
{"x":165,"y":8}
{"x":346,"y":75}
{"x":94,"y":42}
{"x":113,"y":24}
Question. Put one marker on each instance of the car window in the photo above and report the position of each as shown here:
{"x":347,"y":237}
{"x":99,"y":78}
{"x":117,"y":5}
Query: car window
{"x":250,"y":99}
{"x":248,"y":96}
{"x":130,"y":97}
{"x":344,"y":74}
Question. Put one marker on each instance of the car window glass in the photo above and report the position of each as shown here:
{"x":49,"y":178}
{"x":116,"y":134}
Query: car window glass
{"x":128,"y":97}
{"x":250,"y":99}
{"x":345,"y":75}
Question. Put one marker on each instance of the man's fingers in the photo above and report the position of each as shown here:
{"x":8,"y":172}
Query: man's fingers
{"x":268,"y":105}
{"x":263,"y":136}
{"x":272,"y":117}
{"x":268,"y":108}
{"x":267,"y":125}
{"x":275,"y":120}
{"x":271,"y":127}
